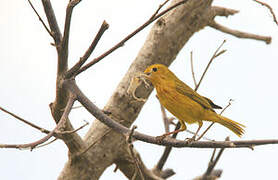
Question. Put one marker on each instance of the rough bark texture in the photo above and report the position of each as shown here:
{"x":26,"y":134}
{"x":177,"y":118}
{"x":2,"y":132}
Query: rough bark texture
{"x":166,"y":38}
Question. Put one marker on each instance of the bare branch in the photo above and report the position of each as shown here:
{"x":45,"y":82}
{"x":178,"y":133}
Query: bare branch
{"x":158,"y":9}
{"x":166,"y":152}
{"x":216,"y":54}
{"x":95,"y":111}
{"x":135,"y":160}
{"x":121,"y":43}
{"x":25,"y":121}
{"x":213,"y":161}
{"x":63,"y":47}
{"x":220,"y":11}
{"x":49,"y":135}
{"x":201,"y":136}
{"x":192,"y":69}
{"x":270,"y":9}
{"x":45,"y":144}
{"x":44,"y":25}
{"x":165,"y":119}
{"x":55,"y":30}
{"x":73,"y":131}
{"x":240,"y":34}
{"x":89,"y":51}
{"x":69,"y":11}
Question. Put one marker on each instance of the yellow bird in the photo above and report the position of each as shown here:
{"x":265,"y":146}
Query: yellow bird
{"x":185,"y":103}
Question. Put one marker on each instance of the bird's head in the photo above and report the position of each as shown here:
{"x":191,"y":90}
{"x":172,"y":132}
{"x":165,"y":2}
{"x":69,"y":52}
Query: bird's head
{"x":157,"y":73}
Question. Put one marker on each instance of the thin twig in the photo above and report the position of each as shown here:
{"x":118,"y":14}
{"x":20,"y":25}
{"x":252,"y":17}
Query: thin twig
{"x":75,"y":130}
{"x":229,"y":104}
{"x":121,"y":43}
{"x":165,"y":119}
{"x":44,"y":25}
{"x":166,"y":152}
{"x":203,"y":137}
{"x":213,"y":162}
{"x":45,"y":144}
{"x":192,"y":69}
{"x":49,"y":135}
{"x":270,"y":9}
{"x":25,"y":121}
{"x":83,"y":59}
{"x":240,"y":34}
{"x":158,"y":9}
{"x":91,"y":145}
{"x":135,"y":160}
{"x":216,"y":54}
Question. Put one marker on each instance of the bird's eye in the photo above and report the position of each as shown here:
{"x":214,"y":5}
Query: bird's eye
{"x":154,"y":69}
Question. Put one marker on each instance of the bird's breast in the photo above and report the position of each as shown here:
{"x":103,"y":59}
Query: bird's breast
{"x":181,"y":106}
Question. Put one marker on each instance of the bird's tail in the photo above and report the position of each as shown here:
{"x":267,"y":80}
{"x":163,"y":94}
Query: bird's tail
{"x":236,"y":127}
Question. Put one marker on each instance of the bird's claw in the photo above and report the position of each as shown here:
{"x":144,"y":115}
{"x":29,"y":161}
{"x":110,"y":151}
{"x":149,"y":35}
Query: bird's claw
{"x":160,"y":138}
{"x":190,"y":140}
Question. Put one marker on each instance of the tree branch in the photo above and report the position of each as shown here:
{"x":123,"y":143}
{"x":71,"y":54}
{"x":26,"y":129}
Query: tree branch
{"x":215,"y":55}
{"x":40,"y":19}
{"x":213,"y":162}
{"x":72,"y":87}
{"x":131,"y":151}
{"x":220,"y":11}
{"x":63,"y":47}
{"x":89,"y":51}
{"x":192,"y":69}
{"x":121,"y":43}
{"x":25,"y":121}
{"x":49,"y":135}
{"x":239,"y":34}
{"x":158,"y":9}
{"x":269,"y":8}
{"x":55,"y":30}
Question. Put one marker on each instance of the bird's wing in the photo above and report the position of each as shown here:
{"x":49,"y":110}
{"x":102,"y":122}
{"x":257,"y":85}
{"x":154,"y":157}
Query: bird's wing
{"x":185,"y":90}
{"x":214,"y":106}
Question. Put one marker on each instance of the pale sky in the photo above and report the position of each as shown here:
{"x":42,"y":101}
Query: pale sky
{"x":247,"y":73}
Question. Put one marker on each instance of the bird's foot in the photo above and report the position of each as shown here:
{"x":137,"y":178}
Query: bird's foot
{"x":190,"y":140}
{"x":160,"y":138}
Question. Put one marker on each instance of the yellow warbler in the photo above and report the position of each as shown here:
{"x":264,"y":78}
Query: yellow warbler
{"x":185,"y":103}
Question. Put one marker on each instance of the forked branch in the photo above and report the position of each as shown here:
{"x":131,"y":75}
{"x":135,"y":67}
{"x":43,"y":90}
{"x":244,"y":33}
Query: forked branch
{"x":61,"y":124}
{"x":89,"y":51}
{"x":121,"y":43}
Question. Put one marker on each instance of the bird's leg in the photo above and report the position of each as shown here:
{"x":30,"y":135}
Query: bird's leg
{"x":205,"y":132}
{"x":182,"y":128}
{"x":196,"y":133}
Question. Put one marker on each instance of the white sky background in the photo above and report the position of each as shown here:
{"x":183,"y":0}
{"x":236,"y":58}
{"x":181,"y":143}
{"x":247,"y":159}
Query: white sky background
{"x":247,"y":73}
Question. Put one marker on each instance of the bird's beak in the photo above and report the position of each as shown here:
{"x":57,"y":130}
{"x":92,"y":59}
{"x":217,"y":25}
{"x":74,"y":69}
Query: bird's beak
{"x":147,"y":73}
